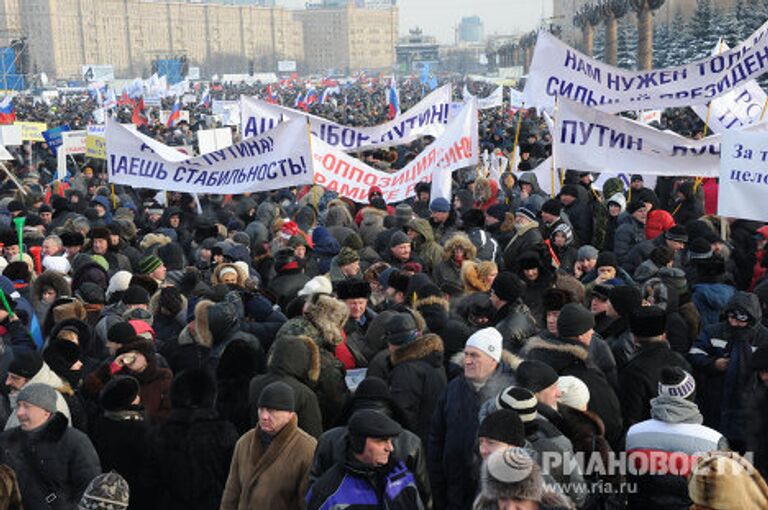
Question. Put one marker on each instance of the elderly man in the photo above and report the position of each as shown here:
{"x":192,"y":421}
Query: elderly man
{"x":53,"y":462}
{"x":355,"y":295}
{"x":52,"y":246}
{"x":455,"y":421}
{"x":370,"y":477}
{"x":271,"y":463}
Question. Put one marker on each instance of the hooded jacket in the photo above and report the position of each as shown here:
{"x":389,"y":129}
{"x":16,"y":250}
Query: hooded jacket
{"x":722,"y":394}
{"x":430,"y":252}
{"x":44,"y":376}
{"x":446,"y":270}
{"x":296,"y":362}
{"x":51,"y":279}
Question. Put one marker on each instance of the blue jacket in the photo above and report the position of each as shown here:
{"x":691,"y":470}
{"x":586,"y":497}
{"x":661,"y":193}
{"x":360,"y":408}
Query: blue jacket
{"x":710,"y":300}
{"x":354,"y":486}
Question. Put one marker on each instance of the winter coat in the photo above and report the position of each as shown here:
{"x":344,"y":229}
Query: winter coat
{"x":629,"y":233}
{"x":526,"y":238}
{"x":516,"y":324}
{"x":690,"y":208}
{"x":188,"y":460}
{"x":675,"y":436}
{"x":722,"y":394}
{"x":429,"y":251}
{"x":453,"y":331}
{"x":354,"y":486}
{"x":408,"y":449}
{"x":487,"y":247}
{"x":192,"y":347}
{"x":273,"y":478}
{"x":355,"y":332}
{"x":296,"y":362}
{"x":48,"y":279}
{"x":120,"y":439}
{"x":44,"y":376}
{"x":453,"y":433}
{"x":757,"y":421}
{"x":371,"y":224}
{"x":224,"y":326}
{"x":639,"y":380}
{"x":710,"y":300}
{"x":447,"y":271}
{"x":322,"y":322}
{"x":568,"y":357}
{"x":55,"y":462}
{"x":287,"y":284}
{"x":580,"y":214}
{"x":167,"y":328}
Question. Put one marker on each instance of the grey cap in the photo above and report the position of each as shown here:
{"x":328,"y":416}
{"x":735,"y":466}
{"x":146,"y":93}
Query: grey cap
{"x":40,"y":395}
{"x":586,"y":252}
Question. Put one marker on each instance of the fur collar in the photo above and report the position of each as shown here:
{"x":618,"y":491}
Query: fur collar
{"x":561,"y":346}
{"x":202,"y":332}
{"x":432,"y":300}
{"x":418,"y":349}
{"x":471,"y":279}
{"x":263,"y":459}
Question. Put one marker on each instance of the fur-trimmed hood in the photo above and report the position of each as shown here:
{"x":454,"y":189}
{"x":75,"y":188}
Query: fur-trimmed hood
{"x":426,"y":346}
{"x":373,"y":212}
{"x":328,"y":315}
{"x":286,"y":357}
{"x":216,"y":276}
{"x":558,"y":353}
{"x":472,"y":278}
{"x":52,"y":279}
{"x":432,"y":301}
{"x":459,"y":241}
{"x":198,"y":330}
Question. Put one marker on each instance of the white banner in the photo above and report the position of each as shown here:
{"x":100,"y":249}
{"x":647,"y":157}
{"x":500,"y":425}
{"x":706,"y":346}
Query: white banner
{"x":743,"y":176}
{"x":557,"y":70}
{"x":429,"y":117}
{"x":278,"y":159}
{"x":228,"y":112}
{"x":493,"y":100}
{"x":516,"y":98}
{"x":209,"y":140}
{"x":738,"y":108}
{"x":592,"y":141}
{"x":351,"y":178}
{"x":73,"y":142}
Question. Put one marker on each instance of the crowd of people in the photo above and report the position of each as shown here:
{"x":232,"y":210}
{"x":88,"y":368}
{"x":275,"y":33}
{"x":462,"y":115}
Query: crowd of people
{"x":295,"y":349}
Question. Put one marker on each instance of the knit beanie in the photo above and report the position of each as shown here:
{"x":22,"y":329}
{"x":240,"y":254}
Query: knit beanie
{"x":573,"y":392}
{"x":574,"y":320}
{"x":526,"y":213}
{"x":399,"y":238}
{"x":440,"y":204}
{"x":136,"y":295}
{"x":26,"y":364}
{"x":634,"y":206}
{"x":121,"y":333}
{"x":109,"y":491}
{"x":40,"y":395}
{"x":347,"y":256}
{"x":278,"y":395}
{"x":535,"y":375}
{"x":503,"y":425}
{"x":149,"y":264}
{"x":512,"y":474}
{"x":625,"y":299}
{"x":552,"y":207}
{"x":520,"y":400}
{"x":676,"y":382}
{"x":488,"y":340}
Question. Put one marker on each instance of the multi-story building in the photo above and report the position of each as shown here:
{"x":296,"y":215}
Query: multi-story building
{"x":416,"y":50}
{"x":64,"y":35}
{"x":349,"y":37}
{"x":470,"y":30}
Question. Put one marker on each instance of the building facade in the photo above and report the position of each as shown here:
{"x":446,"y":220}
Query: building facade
{"x":64,"y":35}
{"x":349,"y":38}
{"x":470,"y":30}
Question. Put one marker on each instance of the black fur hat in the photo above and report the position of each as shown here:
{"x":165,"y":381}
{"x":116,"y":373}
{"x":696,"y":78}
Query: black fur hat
{"x":193,"y":388}
{"x":353,"y":289}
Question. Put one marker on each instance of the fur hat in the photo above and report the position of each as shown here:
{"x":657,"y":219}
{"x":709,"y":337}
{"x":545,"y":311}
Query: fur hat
{"x":352,"y":289}
{"x":193,"y":389}
{"x":625,"y":299}
{"x":119,"y":393}
{"x":726,"y":480}
{"x":648,"y":321}
{"x":347,"y":256}
{"x":503,"y":425}
{"x":555,"y":299}
{"x":508,"y":287}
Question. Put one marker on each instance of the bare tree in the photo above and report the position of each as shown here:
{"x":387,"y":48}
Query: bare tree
{"x":644,"y":10}
{"x":587,"y":18}
{"x":612,"y":11}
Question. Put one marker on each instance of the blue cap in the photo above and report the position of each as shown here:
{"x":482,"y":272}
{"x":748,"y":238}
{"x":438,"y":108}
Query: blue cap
{"x":384,"y":277}
{"x":440,"y":205}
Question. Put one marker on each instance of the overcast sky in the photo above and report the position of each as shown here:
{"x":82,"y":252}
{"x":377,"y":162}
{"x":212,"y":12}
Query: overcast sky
{"x":440,"y":17}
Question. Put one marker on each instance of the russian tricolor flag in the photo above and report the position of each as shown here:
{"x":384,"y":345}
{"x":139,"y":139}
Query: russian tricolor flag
{"x":7,"y":113}
{"x":206,"y":99}
{"x":394,"y":100}
{"x":175,"y":114}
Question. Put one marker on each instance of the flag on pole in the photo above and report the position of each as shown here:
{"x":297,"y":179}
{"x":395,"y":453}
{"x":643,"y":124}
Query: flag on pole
{"x":175,"y":114}
{"x":7,"y":112}
{"x":394,"y":100}
{"x":138,"y":116}
{"x":206,"y":99}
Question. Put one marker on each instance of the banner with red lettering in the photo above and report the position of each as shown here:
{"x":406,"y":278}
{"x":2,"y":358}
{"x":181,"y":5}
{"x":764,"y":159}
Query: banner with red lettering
{"x":456,"y":148}
{"x":429,"y":117}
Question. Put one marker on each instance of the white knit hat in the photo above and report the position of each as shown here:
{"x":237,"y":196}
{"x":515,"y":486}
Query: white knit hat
{"x":317,"y":285}
{"x":488,"y":340}
{"x":573,"y":392}
{"x":119,"y":282}
{"x":56,"y":263}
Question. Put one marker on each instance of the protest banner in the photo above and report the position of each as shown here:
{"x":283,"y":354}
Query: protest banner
{"x":209,"y":140}
{"x":228,"y":112}
{"x":32,"y":131}
{"x":493,"y":100}
{"x":649,"y":116}
{"x":516,"y":98}
{"x":351,"y":178}
{"x":10,"y":135}
{"x":738,"y":108}
{"x":743,"y":176}
{"x":593,"y":141}
{"x":95,"y":143}
{"x":73,"y":142}
{"x":53,"y":137}
{"x":5,"y":155}
{"x":428,"y":117}
{"x":278,"y":159}
{"x":557,"y":70}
